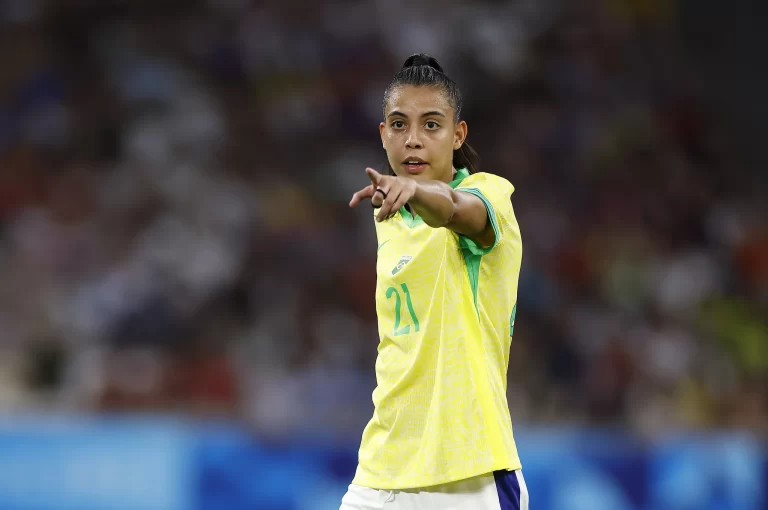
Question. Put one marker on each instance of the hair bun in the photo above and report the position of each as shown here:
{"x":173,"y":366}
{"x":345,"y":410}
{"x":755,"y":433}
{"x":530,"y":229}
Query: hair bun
{"x":422,"y":59}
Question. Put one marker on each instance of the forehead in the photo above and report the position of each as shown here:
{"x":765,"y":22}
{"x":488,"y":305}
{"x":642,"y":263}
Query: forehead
{"x":413,"y":100}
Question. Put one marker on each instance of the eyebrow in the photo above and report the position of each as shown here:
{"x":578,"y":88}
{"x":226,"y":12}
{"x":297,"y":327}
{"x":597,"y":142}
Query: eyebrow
{"x":426,"y":114}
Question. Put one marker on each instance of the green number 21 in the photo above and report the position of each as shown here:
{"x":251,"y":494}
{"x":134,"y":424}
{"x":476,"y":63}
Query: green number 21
{"x":404,"y":330}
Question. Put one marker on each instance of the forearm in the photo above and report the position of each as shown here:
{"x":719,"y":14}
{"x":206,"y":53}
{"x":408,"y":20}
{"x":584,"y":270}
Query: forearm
{"x":435,"y":202}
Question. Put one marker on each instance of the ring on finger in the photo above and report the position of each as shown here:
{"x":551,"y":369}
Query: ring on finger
{"x":383,"y":193}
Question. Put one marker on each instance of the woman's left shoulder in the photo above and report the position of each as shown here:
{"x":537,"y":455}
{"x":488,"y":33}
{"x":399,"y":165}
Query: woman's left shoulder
{"x":488,"y":180}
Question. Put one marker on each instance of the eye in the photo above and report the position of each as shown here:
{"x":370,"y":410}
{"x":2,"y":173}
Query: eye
{"x":431,"y":124}
{"x":397,"y":124}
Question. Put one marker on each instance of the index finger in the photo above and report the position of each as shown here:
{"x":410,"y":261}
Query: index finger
{"x":373,"y":175}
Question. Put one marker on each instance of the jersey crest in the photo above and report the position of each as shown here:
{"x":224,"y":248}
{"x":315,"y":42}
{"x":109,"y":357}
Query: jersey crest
{"x":403,"y":261}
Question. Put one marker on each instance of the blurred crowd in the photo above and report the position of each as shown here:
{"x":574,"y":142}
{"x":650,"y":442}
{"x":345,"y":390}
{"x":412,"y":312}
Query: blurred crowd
{"x":175,"y":236}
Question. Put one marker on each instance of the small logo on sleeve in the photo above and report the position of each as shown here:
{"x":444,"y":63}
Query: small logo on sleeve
{"x":403,"y":261}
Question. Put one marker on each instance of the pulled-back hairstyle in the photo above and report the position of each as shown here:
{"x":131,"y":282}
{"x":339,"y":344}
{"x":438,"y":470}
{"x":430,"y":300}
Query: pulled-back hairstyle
{"x":421,"y":70}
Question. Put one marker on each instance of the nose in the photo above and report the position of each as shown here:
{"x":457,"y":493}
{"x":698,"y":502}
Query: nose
{"x":414,"y":140}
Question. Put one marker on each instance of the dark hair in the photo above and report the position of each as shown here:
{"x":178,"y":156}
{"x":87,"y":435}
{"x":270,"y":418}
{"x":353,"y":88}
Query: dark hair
{"x":422,"y":70}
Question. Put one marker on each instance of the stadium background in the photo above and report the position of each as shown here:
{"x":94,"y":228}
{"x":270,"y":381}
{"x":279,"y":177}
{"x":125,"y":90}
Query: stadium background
{"x":186,"y":312}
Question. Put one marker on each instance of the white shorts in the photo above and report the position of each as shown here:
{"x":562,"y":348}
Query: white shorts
{"x":501,"y":490}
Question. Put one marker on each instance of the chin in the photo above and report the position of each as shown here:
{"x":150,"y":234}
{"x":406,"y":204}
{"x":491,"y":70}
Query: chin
{"x":426,"y":173}
{"x":422,"y":172}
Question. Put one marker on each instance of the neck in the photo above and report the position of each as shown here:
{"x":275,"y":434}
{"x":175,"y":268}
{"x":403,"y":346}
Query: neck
{"x":450,"y":176}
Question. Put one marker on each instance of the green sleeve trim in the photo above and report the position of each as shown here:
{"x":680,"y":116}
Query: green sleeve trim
{"x":468,"y":243}
{"x":512,"y":320}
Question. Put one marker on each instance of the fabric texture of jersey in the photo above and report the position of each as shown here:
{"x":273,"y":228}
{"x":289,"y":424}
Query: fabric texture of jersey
{"x":446,"y":308}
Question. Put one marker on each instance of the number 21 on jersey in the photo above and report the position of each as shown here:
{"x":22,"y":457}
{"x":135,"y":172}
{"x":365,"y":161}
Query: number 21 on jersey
{"x":404,"y":329}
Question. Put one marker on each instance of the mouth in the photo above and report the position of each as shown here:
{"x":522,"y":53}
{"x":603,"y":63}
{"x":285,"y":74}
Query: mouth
{"x":414,"y":165}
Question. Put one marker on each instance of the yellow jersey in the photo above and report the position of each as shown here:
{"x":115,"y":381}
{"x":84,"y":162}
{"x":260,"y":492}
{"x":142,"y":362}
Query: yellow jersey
{"x":446,"y":309}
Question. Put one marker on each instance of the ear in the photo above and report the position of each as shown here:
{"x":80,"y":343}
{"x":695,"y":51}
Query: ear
{"x":381,"y":133}
{"x":459,"y":134}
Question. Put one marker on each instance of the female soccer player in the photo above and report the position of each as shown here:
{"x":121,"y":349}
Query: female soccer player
{"x":449,"y":253}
